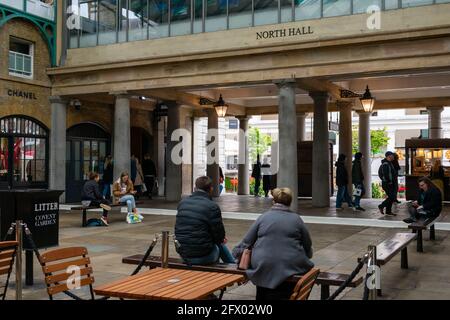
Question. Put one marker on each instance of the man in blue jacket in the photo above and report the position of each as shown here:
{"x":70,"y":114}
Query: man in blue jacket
{"x":199,"y":228}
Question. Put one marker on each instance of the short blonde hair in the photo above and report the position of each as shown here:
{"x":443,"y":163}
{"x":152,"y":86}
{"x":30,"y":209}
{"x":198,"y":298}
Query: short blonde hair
{"x":282,"y":195}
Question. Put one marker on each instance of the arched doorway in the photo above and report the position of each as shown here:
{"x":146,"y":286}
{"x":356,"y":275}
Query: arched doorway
{"x":141,"y":143}
{"x":86,"y":147}
{"x":23,"y":153}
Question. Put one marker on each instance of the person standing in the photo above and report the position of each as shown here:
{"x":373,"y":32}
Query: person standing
{"x":139,"y":180}
{"x":342,"y":182}
{"x":256,"y":174}
{"x":92,"y":194}
{"x":149,"y":170}
{"x":199,"y":227}
{"x":358,"y":181}
{"x":267,"y":177}
{"x":386,"y":172}
{"x":133,"y":168}
{"x":107,"y":177}
{"x":397,"y":169}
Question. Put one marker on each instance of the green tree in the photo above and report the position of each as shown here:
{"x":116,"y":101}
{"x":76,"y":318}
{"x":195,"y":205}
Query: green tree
{"x":378,"y":140}
{"x":258,"y":143}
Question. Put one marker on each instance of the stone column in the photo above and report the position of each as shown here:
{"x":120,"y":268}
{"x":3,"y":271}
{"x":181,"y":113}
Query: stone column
{"x":212,"y":147}
{"x":321,"y":162}
{"x":122,"y":132}
{"x":57,"y":174}
{"x":243,"y":163}
{"x":173,"y":170}
{"x":287,"y":130}
{"x":435,"y":122}
{"x":365,"y":149}
{"x":301,"y":126}
{"x":345,"y":136}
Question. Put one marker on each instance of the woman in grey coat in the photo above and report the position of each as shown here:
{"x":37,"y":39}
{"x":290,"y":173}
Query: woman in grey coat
{"x":281,"y":247}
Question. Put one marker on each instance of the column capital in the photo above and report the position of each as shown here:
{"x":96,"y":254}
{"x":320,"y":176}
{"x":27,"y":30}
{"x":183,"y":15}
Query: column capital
{"x":119,"y":94}
{"x":362,"y":112}
{"x":288,"y":83}
{"x":319,"y":95}
{"x":242,"y":118}
{"x":435,"y":108}
{"x":58,"y":99}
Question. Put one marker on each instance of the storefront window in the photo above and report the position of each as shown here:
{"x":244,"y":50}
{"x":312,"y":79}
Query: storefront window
{"x":23,"y":152}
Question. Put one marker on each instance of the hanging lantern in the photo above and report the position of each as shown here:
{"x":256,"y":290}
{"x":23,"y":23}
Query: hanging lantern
{"x":221,"y":107}
{"x":367,"y":101}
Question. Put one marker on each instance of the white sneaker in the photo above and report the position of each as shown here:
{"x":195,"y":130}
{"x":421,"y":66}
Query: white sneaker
{"x":105,"y":206}
{"x":104,"y":220}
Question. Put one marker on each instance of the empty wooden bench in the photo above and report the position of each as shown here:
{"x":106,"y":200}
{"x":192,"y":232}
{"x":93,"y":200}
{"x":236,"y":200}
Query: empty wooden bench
{"x":389,"y":248}
{"x":324,"y":280}
{"x":419,"y":226}
{"x":84,"y":209}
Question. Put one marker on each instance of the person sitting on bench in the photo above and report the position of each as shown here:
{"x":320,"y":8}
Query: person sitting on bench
{"x":199,"y":228}
{"x":280,"y":248}
{"x":429,"y":203}
{"x":92,"y":194}
{"x":124,"y":192}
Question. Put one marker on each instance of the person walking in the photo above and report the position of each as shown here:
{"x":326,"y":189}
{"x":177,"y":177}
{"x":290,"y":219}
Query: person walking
{"x":256,"y":174}
{"x":92,"y":194}
{"x":358,"y":181}
{"x":149,"y":170}
{"x":267,"y":177}
{"x":199,"y":227}
{"x":397,"y":169}
{"x":107,"y":177}
{"x":342,"y":183}
{"x":281,"y":247}
{"x":386,"y":173}
{"x":124,"y":192}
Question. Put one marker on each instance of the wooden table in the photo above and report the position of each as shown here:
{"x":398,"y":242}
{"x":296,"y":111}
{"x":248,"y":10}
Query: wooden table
{"x":168,"y":283}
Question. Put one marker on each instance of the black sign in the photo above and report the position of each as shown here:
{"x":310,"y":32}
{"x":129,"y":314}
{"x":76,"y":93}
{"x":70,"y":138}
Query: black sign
{"x":286,"y":32}
{"x":21,"y":94}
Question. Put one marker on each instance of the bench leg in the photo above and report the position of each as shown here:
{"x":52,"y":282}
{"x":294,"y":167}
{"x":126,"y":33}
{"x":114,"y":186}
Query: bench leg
{"x":432,"y":233}
{"x":221,"y":294}
{"x":83,"y":219}
{"x":404,"y":258}
{"x":419,"y":241}
{"x":324,"y":292}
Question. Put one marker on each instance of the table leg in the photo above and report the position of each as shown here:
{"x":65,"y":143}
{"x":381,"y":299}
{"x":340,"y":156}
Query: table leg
{"x":419,"y":241}
{"x":432,"y":233}
{"x":29,"y":278}
{"x":83,"y":219}
{"x":404,"y":258}
{"x":324,"y":292}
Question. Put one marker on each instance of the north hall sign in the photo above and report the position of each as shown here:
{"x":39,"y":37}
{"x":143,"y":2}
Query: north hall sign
{"x":282,"y":33}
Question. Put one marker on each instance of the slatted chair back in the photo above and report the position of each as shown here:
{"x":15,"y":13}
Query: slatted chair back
{"x":66,"y":268}
{"x":304,"y":286}
{"x":8,"y":251}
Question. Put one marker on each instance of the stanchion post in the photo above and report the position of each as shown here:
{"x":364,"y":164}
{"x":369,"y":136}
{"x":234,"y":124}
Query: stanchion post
{"x":19,"y":240}
{"x":372,"y":262}
{"x":165,"y":249}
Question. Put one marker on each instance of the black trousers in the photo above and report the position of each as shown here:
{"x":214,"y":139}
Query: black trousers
{"x":97,"y":204}
{"x":257,"y":185}
{"x":391,"y":197}
{"x":149,"y":183}
{"x":282,"y":292}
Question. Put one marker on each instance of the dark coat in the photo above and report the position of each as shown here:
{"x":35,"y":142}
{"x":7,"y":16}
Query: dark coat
{"x":133,"y":171}
{"x":108,"y":174}
{"x":357,"y":173}
{"x":256,"y":172}
{"x":198,"y":225}
{"x":91,"y":191}
{"x":281,"y":247}
{"x":431,"y":200}
{"x":389,"y":172}
{"x":341,"y":174}
{"x":148,"y":167}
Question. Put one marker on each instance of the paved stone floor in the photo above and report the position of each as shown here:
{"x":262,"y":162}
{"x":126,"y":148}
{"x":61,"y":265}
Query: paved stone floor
{"x":336,"y":248}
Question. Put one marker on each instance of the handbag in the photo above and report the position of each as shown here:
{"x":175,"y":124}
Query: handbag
{"x":245,"y":261}
{"x":357,"y":191}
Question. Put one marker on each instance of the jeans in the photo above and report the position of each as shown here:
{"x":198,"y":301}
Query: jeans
{"x":390,"y":193}
{"x":418,"y":214}
{"x":220,"y":188}
{"x":129,"y":200}
{"x":343,"y":196}
{"x":219,"y":251}
{"x":358,"y":198}
{"x":107,"y":190}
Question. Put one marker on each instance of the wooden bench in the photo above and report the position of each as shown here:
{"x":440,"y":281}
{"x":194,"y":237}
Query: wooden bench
{"x":389,"y":248}
{"x":419,"y":226}
{"x":325,"y":279}
{"x":84,"y":209}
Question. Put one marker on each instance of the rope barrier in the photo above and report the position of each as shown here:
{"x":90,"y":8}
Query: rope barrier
{"x":146,"y":255}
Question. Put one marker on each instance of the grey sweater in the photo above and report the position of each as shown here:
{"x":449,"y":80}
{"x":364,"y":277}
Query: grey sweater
{"x":281,"y":247}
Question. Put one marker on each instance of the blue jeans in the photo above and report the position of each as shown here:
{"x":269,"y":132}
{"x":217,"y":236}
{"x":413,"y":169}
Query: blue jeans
{"x":129,"y":200}
{"x":343,"y":196}
{"x":106,"y":190}
{"x":219,"y":251}
{"x":358,"y":198}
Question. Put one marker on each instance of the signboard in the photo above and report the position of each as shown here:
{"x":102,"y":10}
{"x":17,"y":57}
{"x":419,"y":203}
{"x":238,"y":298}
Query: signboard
{"x":333,"y":126}
{"x":332,"y":137}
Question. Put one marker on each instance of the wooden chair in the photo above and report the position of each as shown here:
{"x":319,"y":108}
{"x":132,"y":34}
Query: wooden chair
{"x":8,"y":250}
{"x":304,"y":285}
{"x":60,"y":266}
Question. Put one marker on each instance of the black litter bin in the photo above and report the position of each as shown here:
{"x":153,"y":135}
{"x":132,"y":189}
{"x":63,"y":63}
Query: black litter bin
{"x":39,"y":209}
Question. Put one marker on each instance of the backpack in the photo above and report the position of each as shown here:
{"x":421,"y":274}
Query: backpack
{"x":94,"y":223}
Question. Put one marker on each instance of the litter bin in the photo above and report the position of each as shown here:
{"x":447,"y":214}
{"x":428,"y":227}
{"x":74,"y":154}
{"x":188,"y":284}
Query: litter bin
{"x":39,"y":209}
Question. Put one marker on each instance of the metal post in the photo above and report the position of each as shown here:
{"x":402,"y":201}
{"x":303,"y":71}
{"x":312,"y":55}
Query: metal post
{"x":19,"y":240}
{"x":29,"y":278}
{"x":165,"y":249}
{"x":372,"y":263}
